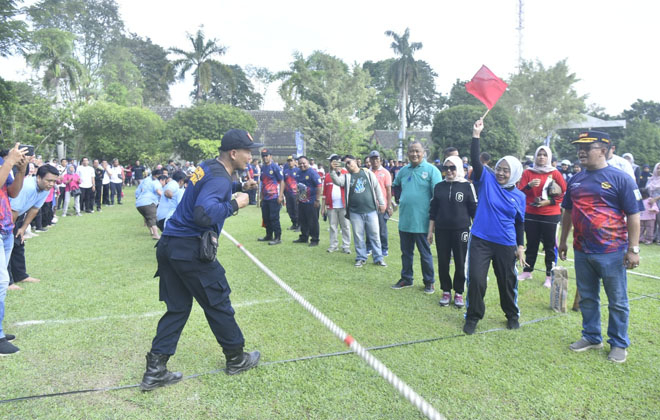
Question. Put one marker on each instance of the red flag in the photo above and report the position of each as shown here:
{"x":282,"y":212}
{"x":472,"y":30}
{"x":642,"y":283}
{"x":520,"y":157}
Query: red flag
{"x":486,"y":87}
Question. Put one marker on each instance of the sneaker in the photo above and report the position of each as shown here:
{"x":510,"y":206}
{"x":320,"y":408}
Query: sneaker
{"x":446,"y":299}
{"x":381,"y":263}
{"x":7,"y":348}
{"x":368,"y":252}
{"x":292,"y":227}
{"x":331,"y":250}
{"x":385,"y":253}
{"x":313,"y":243}
{"x":583,"y":344}
{"x":524,"y":276}
{"x":548,"y":282}
{"x":300,"y":241}
{"x":470,"y":326}
{"x":458,"y":300}
{"x":617,"y":355}
{"x":54,"y":220}
{"x":401,"y":284}
{"x":275,"y":241}
{"x":78,"y":214}
{"x":429,"y":289}
{"x":41,"y":230}
{"x":512,"y":324}
{"x":346,"y":251}
{"x":265,"y":239}
{"x":359,"y":263}
{"x":10,"y":337}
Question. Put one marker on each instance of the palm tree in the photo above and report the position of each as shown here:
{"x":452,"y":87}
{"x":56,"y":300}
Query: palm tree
{"x":402,"y":73}
{"x":200,"y":59}
{"x":54,"y":52}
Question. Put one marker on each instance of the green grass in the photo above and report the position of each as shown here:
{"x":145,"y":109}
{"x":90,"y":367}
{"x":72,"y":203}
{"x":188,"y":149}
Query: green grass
{"x":102,"y":266}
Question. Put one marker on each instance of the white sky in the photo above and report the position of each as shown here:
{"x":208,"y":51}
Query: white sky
{"x":604,"y":41}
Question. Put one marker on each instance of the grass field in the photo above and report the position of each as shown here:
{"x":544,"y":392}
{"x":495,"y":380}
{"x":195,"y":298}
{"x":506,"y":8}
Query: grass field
{"x":96,"y":310}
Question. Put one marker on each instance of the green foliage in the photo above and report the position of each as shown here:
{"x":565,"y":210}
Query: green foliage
{"x":453,"y":127}
{"x":12,"y":30}
{"x":331,"y":105}
{"x":109,"y":131}
{"x":208,"y":148}
{"x":642,"y":139}
{"x":122,"y":80}
{"x":205,"y":121}
{"x":539,"y":100}
{"x":230,"y":85}
{"x":459,"y":96}
{"x":648,"y":110}
{"x":157,"y":71}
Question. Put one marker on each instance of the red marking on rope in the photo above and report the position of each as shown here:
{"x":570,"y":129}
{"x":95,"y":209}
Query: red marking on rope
{"x":239,"y":245}
{"x":348,"y":340}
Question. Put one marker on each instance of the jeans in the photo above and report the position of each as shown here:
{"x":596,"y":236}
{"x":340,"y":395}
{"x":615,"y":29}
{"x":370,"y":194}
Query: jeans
{"x":8,"y":244}
{"x":589,"y":270}
{"x":366,"y":224}
{"x":408,"y":242}
{"x":115,"y":189}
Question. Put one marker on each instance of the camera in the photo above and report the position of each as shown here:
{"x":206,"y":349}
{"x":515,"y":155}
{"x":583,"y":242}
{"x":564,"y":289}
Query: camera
{"x":30,"y":149}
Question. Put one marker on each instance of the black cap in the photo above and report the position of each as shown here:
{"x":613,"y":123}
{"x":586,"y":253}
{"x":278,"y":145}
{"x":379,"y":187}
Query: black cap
{"x":265,"y":152}
{"x":238,"y":139}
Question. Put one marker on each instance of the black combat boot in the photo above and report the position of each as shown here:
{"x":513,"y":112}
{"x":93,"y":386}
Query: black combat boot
{"x":239,"y":361}
{"x":157,"y":374}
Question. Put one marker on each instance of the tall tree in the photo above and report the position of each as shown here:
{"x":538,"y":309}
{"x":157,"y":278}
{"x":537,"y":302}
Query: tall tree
{"x":12,"y":30}
{"x":648,"y":110}
{"x":261,"y":78}
{"x":200,"y":61}
{"x":404,"y":70}
{"x":157,"y":71}
{"x":540,"y":99}
{"x":230,"y":85}
{"x":53,"y":51}
{"x":329,"y":103}
{"x":122,"y":80}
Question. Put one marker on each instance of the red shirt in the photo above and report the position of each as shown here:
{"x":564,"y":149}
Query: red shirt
{"x":532,"y":193}
{"x":328,"y":185}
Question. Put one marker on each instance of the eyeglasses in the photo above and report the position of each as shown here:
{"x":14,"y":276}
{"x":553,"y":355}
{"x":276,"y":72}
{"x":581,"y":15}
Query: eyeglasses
{"x":449,"y":168}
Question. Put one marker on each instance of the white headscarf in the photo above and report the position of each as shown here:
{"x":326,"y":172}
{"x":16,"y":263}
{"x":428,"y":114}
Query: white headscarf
{"x":516,"y":170}
{"x":460,"y":171}
{"x":547,"y":168}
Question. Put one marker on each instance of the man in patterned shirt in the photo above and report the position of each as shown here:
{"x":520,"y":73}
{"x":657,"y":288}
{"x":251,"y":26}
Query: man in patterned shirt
{"x":272,"y":188}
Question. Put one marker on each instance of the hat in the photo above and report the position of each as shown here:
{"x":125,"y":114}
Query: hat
{"x":566,"y":162}
{"x":334,"y":156}
{"x":265,"y":152}
{"x":374,"y":153}
{"x":238,"y":139}
{"x":592,"y":137}
{"x":290,"y":157}
{"x":438,"y":161}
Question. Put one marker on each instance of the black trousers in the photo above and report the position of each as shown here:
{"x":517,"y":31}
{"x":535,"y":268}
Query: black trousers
{"x":292,"y":207}
{"x":183,"y":276}
{"x":106,"y":194}
{"x":308,"y":219}
{"x":16,"y":268}
{"x":539,"y":229}
{"x":47,"y":214}
{"x":115,"y":189}
{"x":97,"y":194}
{"x":446,"y":242}
{"x":60,"y":197}
{"x":270,"y":213}
{"x":86,"y":199}
{"x":252,"y":194}
{"x":480,"y":253}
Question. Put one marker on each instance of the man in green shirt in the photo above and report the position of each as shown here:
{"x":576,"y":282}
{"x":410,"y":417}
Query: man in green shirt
{"x":417,"y":181}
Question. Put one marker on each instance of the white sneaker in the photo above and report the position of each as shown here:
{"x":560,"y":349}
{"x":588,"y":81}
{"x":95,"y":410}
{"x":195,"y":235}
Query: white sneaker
{"x":54,"y":219}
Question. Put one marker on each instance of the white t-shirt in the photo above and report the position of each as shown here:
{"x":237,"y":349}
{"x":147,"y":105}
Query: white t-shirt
{"x":336,"y":197}
{"x":86,"y":174}
{"x":115,"y":172}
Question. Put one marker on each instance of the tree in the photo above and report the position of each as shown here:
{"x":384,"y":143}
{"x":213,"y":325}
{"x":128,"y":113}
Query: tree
{"x":122,"y":80}
{"x":108,"y":130}
{"x":261,"y":77}
{"x":642,"y":139}
{"x":329,"y":103}
{"x":200,"y":61}
{"x":540,"y":99}
{"x":230,"y":85}
{"x":404,"y":70}
{"x":648,"y":110}
{"x":53,"y":51}
{"x":453,"y":127}
{"x":157,"y":71}
{"x":205,"y":121}
{"x":12,"y":31}
{"x":459,"y":96}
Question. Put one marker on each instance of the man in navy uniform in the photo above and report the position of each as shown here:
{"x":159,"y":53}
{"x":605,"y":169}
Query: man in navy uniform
{"x":183,"y":274}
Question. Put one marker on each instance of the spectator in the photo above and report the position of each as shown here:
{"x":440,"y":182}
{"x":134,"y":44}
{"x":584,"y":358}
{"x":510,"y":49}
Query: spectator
{"x":71,"y":181}
{"x":637,"y":171}
{"x":653,"y":186}
{"x":272,"y":189}
{"x":106,"y":183}
{"x":309,"y":201}
{"x":138,"y":172}
{"x":290,"y":191}
{"x":98,"y":183}
{"x":417,"y":181}
{"x":334,"y":208}
{"x":87,"y":186}
{"x":61,"y":168}
{"x":647,"y":217}
{"x":116,"y":173}
{"x":644,"y":176}
{"x":385,"y":182}
{"x":601,"y":203}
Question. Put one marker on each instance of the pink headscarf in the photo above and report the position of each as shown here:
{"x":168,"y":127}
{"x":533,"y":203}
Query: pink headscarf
{"x":654,"y":179}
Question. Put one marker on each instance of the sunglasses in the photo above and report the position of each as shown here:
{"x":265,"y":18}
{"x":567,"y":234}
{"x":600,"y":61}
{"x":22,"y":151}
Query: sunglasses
{"x":448,"y":168}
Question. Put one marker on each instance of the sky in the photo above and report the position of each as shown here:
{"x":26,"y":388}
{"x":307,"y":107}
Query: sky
{"x":603,"y":41}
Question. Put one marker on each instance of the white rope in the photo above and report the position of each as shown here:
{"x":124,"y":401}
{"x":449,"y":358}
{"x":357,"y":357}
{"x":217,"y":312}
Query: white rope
{"x":422,"y":405}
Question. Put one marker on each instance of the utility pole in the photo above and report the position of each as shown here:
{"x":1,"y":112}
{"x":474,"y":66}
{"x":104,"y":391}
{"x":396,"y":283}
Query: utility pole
{"x":520,"y":32}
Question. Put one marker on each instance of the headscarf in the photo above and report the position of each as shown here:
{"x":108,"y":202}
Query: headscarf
{"x":547,"y":168}
{"x":516,"y":170}
{"x":69,"y":166}
{"x":632,"y":159}
{"x":654,"y":180}
{"x":458,"y":163}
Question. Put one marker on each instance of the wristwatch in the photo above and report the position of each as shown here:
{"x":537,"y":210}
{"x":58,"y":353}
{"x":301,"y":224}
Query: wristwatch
{"x":634,"y":249}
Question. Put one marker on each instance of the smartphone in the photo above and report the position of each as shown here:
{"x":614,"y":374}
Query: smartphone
{"x":30,"y":149}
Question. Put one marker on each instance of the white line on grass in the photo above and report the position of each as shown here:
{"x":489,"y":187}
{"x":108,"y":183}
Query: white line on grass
{"x":133,"y":316}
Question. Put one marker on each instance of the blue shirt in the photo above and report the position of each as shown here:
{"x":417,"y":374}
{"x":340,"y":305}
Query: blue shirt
{"x":417,"y":185}
{"x":290,"y":182}
{"x":271,"y":176}
{"x":308,"y":182}
{"x":147,"y":192}
{"x":497,"y":211}
{"x":166,"y":206}
{"x":29,"y":197}
{"x":206,"y":203}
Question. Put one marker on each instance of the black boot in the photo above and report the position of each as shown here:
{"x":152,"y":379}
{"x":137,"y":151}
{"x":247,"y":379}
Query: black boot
{"x":157,"y":373}
{"x":239,"y":361}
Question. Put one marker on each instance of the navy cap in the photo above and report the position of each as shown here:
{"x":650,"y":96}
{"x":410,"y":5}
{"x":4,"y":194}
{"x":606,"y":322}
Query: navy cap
{"x":238,"y":139}
{"x":265,"y":152}
{"x":592,"y":137}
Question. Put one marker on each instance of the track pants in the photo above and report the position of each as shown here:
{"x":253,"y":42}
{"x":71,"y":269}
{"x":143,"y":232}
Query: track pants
{"x":447,"y":241}
{"x":539,"y":229}
{"x":480,"y":253}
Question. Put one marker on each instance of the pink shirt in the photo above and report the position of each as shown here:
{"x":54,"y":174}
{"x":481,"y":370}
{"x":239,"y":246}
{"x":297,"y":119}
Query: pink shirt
{"x":650,"y":210}
{"x":75,"y":181}
{"x":384,"y":180}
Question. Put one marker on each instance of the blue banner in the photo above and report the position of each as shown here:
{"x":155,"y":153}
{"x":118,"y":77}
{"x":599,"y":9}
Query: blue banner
{"x":300,"y":144}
